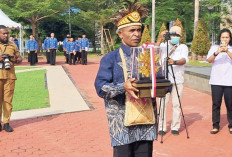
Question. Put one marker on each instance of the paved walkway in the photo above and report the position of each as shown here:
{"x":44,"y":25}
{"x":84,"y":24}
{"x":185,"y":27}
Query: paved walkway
{"x":200,"y":70}
{"x":85,"y":134}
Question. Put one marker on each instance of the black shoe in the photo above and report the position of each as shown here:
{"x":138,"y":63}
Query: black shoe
{"x":214,"y":131}
{"x":175,"y":132}
{"x":162,"y":133}
{"x":8,"y":128}
{"x":0,"y":127}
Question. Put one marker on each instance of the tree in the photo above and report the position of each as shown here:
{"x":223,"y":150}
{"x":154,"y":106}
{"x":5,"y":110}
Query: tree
{"x":163,"y":28}
{"x":167,"y":10}
{"x":146,"y":38}
{"x":33,"y":11}
{"x":101,"y":13}
{"x":201,"y":42}
{"x":178,"y":23}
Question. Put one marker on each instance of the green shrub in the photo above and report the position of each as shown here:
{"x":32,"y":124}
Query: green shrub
{"x":201,"y":41}
{"x":183,"y":38}
{"x":146,"y":38}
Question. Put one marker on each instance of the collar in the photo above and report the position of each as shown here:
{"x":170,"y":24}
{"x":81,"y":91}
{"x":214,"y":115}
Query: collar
{"x":125,"y":49}
{"x":6,"y":44}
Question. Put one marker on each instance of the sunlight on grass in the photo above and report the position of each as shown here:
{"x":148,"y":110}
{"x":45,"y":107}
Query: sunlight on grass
{"x":30,"y":91}
{"x":198,"y":63}
{"x":24,"y":68}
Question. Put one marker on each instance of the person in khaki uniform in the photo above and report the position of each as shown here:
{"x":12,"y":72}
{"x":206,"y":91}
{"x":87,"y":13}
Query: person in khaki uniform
{"x":7,"y":76}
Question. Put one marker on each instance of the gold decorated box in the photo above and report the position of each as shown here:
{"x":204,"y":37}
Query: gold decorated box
{"x":141,"y":69}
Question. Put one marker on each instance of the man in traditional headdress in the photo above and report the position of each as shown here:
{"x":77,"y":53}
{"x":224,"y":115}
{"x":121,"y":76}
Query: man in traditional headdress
{"x":132,"y":141}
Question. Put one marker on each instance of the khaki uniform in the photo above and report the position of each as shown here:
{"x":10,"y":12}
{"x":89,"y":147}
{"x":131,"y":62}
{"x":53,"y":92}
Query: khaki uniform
{"x":7,"y":82}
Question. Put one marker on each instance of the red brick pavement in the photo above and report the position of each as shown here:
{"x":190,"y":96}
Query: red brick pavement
{"x":85,"y":134}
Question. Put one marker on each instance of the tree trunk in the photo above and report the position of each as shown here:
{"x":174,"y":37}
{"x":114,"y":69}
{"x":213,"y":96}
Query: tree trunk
{"x":113,"y":34}
{"x":102,"y":38}
{"x":196,"y":15}
{"x":35,"y":32}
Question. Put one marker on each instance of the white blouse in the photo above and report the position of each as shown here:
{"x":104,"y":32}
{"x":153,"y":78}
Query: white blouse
{"x":221,"y":73}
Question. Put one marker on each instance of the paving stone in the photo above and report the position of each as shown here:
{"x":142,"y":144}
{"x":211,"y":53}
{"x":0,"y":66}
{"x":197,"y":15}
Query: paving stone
{"x":86,"y":134}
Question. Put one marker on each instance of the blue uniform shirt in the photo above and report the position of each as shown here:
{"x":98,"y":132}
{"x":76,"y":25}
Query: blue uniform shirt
{"x":78,"y":44}
{"x":109,"y":85}
{"x":32,"y":45}
{"x":84,"y":43}
{"x":46,"y":42}
{"x":65,"y":43}
{"x":53,"y":43}
{"x":70,"y":47}
{"x":16,"y":43}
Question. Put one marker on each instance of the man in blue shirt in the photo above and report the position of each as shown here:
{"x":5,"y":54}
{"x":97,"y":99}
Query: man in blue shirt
{"x":110,"y":84}
{"x":46,"y":42}
{"x":52,"y":48}
{"x":78,"y":48}
{"x":84,"y":49}
{"x":15,"y":40}
{"x":66,"y":40}
{"x":32,"y":47}
{"x":71,"y":46}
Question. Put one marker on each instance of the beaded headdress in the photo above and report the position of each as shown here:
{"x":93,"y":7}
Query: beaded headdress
{"x":131,"y":15}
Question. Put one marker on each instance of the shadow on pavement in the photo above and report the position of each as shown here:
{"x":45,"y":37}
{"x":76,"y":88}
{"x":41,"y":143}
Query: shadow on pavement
{"x":19,"y":123}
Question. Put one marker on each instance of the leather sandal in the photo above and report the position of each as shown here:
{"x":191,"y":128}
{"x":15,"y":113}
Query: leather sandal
{"x":214,"y":131}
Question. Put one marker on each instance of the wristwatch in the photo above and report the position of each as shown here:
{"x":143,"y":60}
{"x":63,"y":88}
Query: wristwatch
{"x":175,"y":62}
{"x":215,"y":54}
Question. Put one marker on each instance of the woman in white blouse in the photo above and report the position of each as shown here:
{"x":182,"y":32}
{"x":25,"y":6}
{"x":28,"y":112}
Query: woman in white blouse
{"x":221,"y":78}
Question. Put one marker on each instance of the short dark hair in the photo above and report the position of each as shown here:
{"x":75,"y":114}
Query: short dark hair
{"x":2,"y":27}
{"x":227,"y":31}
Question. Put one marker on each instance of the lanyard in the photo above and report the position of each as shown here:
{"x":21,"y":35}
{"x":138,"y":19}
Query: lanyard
{"x":123,"y":64}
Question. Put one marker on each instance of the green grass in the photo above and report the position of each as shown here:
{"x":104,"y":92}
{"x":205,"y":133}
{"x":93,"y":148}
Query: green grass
{"x":24,"y":68}
{"x":198,"y":63}
{"x":30,"y":91}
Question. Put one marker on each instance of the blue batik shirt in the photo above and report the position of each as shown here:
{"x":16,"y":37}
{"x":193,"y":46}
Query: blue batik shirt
{"x":70,"y":46}
{"x":84,"y":43}
{"x":53,"y":43}
{"x":32,"y":45}
{"x":46,"y":42}
{"x":109,"y":85}
{"x":78,"y":43}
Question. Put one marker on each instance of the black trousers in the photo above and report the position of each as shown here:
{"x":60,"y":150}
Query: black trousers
{"x":136,"y":149}
{"x":48,"y":57}
{"x":52,"y":56}
{"x":217,"y":93}
{"x":66,"y":56}
{"x":32,"y":57}
{"x":84,"y":57}
{"x":29,"y":58}
{"x":79,"y":56}
{"x":36,"y":57}
{"x":72,"y":58}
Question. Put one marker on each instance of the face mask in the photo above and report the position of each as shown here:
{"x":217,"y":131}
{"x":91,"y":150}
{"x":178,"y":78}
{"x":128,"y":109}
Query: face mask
{"x":175,"y":40}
